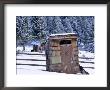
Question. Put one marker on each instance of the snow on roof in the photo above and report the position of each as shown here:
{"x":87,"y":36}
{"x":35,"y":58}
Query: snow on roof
{"x":63,"y":34}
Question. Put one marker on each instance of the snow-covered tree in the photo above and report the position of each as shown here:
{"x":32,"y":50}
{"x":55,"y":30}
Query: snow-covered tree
{"x":68,"y":25}
{"x":23,"y":30}
{"x":40,"y":27}
{"x":84,"y":27}
{"x":50,"y":24}
{"x":58,"y":25}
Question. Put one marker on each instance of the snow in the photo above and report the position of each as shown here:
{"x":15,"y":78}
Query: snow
{"x":27,"y":52}
{"x":37,"y":57}
{"x":87,"y":65}
{"x":27,"y":48}
{"x":86,"y":54}
{"x":35,"y":43}
{"x":30,"y":71}
{"x":27,"y":67}
{"x":21,"y":69}
{"x":28,"y":57}
{"x":39,"y":70}
{"x":88,"y":61}
{"x":31,"y":62}
{"x":63,"y":34}
{"x":89,"y":70}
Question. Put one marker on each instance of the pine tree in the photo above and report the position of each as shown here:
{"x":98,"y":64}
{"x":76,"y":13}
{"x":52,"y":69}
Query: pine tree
{"x":69,"y":28}
{"x":23,"y":30}
{"x":40,"y":27}
{"x":58,"y":25}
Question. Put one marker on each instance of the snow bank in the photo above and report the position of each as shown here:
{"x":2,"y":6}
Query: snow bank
{"x":86,"y":54}
{"x":27,"y":48}
{"x":19,"y":48}
{"x":33,"y":68}
{"x":39,"y":70}
{"x":28,"y":52}
{"x":37,"y":57}
{"x":31,"y":62}
{"x":89,"y":70}
{"x":87,"y":65}
{"x":87,"y":59}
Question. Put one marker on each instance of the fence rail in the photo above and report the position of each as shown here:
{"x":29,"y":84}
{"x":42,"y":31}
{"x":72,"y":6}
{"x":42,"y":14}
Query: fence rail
{"x":32,"y":53}
{"x":30,"y":64}
{"x":85,"y":58}
{"x":30,"y":59}
{"x":45,"y":60}
{"x":86,"y":62}
{"x":89,"y":67}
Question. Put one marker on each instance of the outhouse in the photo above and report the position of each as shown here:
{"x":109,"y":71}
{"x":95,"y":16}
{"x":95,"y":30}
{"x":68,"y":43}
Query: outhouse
{"x":62,"y":53}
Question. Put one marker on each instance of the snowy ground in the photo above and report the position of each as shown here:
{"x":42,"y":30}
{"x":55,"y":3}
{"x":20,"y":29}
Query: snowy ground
{"x":33,"y":63}
{"x":86,"y":59}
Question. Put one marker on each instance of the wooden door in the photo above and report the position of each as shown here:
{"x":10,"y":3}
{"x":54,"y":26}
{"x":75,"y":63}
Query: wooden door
{"x":66,"y":56}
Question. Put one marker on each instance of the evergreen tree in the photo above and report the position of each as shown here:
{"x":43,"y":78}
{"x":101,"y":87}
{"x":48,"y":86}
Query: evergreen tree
{"x":58,"y":25}
{"x":69,"y":28}
{"x":40,"y":27}
{"x":22,"y":30}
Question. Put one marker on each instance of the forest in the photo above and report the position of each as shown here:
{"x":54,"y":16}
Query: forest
{"x":39,"y":28}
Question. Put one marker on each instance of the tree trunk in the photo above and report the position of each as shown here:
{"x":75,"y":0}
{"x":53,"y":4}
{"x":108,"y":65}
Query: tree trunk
{"x":23,"y":47}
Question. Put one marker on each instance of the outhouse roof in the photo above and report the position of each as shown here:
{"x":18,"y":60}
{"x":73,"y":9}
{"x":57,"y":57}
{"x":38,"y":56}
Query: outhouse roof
{"x":63,"y":35}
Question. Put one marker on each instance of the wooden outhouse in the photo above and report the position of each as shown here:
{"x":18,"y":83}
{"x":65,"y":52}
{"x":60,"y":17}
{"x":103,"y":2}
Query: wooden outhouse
{"x":62,"y":53}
